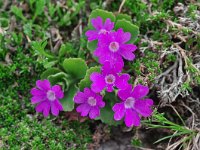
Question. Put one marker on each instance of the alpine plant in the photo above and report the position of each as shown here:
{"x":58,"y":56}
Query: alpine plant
{"x":113,"y":47}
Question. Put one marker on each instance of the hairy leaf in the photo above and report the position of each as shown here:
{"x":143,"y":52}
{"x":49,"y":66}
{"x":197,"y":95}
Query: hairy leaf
{"x":49,"y":72}
{"x":76,"y":67}
{"x":107,"y":114}
{"x":68,"y":100}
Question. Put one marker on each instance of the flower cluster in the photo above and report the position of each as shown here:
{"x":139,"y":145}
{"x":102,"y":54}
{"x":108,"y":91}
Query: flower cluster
{"x":111,"y":49}
{"x":112,"y":45}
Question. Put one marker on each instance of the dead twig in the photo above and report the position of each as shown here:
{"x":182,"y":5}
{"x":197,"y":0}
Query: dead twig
{"x":121,"y":5}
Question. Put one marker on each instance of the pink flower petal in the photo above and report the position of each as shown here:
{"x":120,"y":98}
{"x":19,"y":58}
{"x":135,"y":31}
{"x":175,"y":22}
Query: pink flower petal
{"x":124,"y":94}
{"x":94,"y":112}
{"x":119,"y":110}
{"x":104,"y":40}
{"x":80,"y":98}
{"x":100,"y":101}
{"x":122,"y":81}
{"x":54,"y":109}
{"x":58,"y":105}
{"x":43,"y":84}
{"x":132,"y":118}
{"x":119,"y":115}
{"x":97,"y":23}
{"x":118,"y":67}
{"x":118,"y":107}
{"x":40,"y":107}
{"x":43,"y":107}
{"x":112,"y":68}
{"x":88,"y":92}
{"x":46,"y":110}
{"x":38,"y":92}
{"x":109,"y":88}
{"x":37,"y":99}
{"x":140,"y":91}
{"x":98,"y":82}
{"x":99,"y":52}
{"x":121,"y":36}
{"x":92,"y":35}
{"x":126,"y":50}
{"x":108,"y":25}
{"x":126,"y":37}
{"x":83,"y":109}
{"x":106,"y":68}
{"x":143,"y":107}
{"x":58,"y":91}
{"x":113,"y":58}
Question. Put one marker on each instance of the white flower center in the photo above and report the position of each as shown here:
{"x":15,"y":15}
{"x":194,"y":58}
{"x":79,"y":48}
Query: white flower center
{"x":92,"y":101}
{"x":51,"y":95}
{"x":129,"y":103}
{"x":102,"y":31}
{"x":110,"y":79}
{"x":114,"y":46}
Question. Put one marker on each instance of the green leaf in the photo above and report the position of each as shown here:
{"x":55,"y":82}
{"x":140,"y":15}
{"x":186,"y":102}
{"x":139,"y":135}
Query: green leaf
{"x":31,"y":2}
{"x":103,"y":14}
{"x":123,"y":16}
{"x":62,"y":79}
{"x":39,"y":7}
{"x":76,"y":67}
{"x":86,"y":81}
{"x":128,"y":27}
{"x":65,"y":49}
{"x":18,"y":12}
{"x":107,"y":114}
{"x":92,"y":46}
{"x":52,"y":9}
{"x":68,"y":100}
{"x":40,"y":47}
{"x":49,"y":72}
{"x":50,"y":64}
{"x":174,"y":135}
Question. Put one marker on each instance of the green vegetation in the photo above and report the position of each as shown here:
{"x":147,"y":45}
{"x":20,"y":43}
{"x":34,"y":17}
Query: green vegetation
{"x":21,"y":65}
{"x":40,"y":34}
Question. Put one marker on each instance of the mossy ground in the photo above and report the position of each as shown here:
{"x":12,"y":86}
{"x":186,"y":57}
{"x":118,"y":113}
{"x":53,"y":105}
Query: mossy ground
{"x":168,"y":32}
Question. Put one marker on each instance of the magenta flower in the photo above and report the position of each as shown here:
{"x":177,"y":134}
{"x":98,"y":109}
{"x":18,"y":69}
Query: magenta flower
{"x":113,"y":47}
{"x":109,"y":78}
{"x":100,"y":28}
{"x":47,"y":97}
{"x":90,"y":103}
{"x":133,"y":105}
